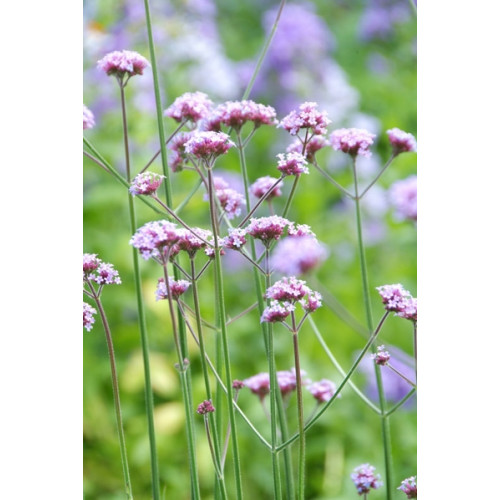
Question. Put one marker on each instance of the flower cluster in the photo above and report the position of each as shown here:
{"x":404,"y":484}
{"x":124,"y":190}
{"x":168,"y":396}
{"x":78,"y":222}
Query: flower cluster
{"x":121,"y":63}
{"x":263,"y":184}
{"x":403,"y":197}
{"x":287,"y":382}
{"x":102,"y":273}
{"x":236,"y":113}
{"x":88,"y":118}
{"x":323,"y":390}
{"x":267,"y":229}
{"x":230,"y":200}
{"x":155,"y":238}
{"x":192,"y":106}
{"x":307,"y":117}
{"x":178,"y":146}
{"x":313,"y":145}
{"x":88,"y":316}
{"x":381,"y":357}
{"x":364,"y":479}
{"x":205,"y":407}
{"x":396,"y":299}
{"x":146,"y":183}
{"x":292,"y":164}
{"x":190,"y":242}
{"x":208,"y":145}
{"x":235,"y":239}
{"x":401,"y":142}
{"x":409,"y":487}
{"x":288,"y":289}
{"x":352,"y":141}
{"x":177,"y":288}
{"x":296,"y":255}
{"x":277,"y":311}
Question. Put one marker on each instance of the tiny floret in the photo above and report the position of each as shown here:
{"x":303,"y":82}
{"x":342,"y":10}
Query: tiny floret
{"x":236,"y":113}
{"x":102,"y":273}
{"x":238,"y":384}
{"x":402,"y":142}
{"x":205,"y":407}
{"x":263,"y":184}
{"x":352,"y":141}
{"x":409,"y":487}
{"x":288,"y":289}
{"x":177,"y":288}
{"x":269,"y":228}
{"x":277,"y":311}
{"x":190,"y":242}
{"x":88,"y":316}
{"x":323,"y":390}
{"x":292,"y":164}
{"x":155,"y":238}
{"x":90,"y":262}
{"x":381,"y":357}
{"x":192,"y":106}
{"x":146,"y":183}
{"x":307,"y":117}
{"x":208,"y":145}
{"x":230,"y":200}
{"x":121,"y":63}
{"x":311,"y":301}
{"x":364,"y":479}
{"x":235,"y":239}
{"x":179,"y":156}
{"x":396,"y":299}
{"x":88,"y":118}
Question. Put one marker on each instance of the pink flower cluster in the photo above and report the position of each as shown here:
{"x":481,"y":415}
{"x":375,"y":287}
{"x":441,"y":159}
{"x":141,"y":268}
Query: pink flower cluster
{"x":401,"y":142}
{"x":121,"y":63}
{"x":235,"y":239}
{"x":155,"y":238}
{"x":208,"y":145}
{"x":269,"y":228}
{"x":403,"y":197}
{"x":292,"y":164}
{"x":263,"y":184}
{"x":352,"y":141}
{"x":396,"y":299}
{"x":307,"y":117}
{"x":102,"y":273}
{"x":287,"y":382}
{"x":88,"y":118}
{"x":192,"y":106}
{"x":277,"y":311}
{"x":88,"y":316}
{"x":178,"y":146}
{"x":230,"y":200}
{"x":236,"y":113}
{"x":205,"y":407}
{"x":189,"y":242}
{"x":323,"y":390}
{"x":297,"y":255}
{"x":381,"y":357}
{"x":146,"y":183}
{"x":409,"y":487}
{"x":288,"y":289}
{"x":364,"y":479}
{"x":177,"y":288}
{"x":313,"y":145}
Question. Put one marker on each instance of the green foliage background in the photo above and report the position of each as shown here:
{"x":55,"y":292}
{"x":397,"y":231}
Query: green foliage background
{"x":349,"y":433}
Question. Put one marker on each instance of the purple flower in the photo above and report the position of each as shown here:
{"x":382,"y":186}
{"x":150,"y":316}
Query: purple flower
{"x":208,"y":145}
{"x":177,"y":288}
{"x":267,"y":229}
{"x":236,"y":113}
{"x":102,"y":273}
{"x":238,"y":384}
{"x":288,"y":289}
{"x":409,"y":487}
{"x":292,"y":164}
{"x":154,"y":238}
{"x":263,"y":184}
{"x":364,"y":478}
{"x":88,"y":118}
{"x":381,"y":357}
{"x":230,"y":200}
{"x":205,"y":407}
{"x":235,"y":239}
{"x":297,"y":255}
{"x":121,"y":63}
{"x":276,"y":311}
{"x":258,"y":384}
{"x":323,"y":390}
{"x":313,"y":145}
{"x":403,"y":197}
{"x":311,"y":301}
{"x":409,"y":309}
{"x":193,"y":106}
{"x":352,"y":141}
{"x":396,"y":299}
{"x":189,"y":242}
{"x":90,"y":262}
{"x":401,"y":142}
{"x":146,"y":183}
{"x":88,"y":316}
{"x":307,"y":117}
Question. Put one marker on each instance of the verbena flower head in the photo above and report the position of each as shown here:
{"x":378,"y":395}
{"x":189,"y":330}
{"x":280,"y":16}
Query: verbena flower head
{"x":307,"y":117}
{"x":401,"y":142}
{"x":292,"y":164}
{"x":177,"y":145}
{"x":267,"y":229}
{"x":323,"y":390}
{"x":230,"y":200}
{"x":353,"y":141}
{"x":298,"y":230}
{"x":396,"y":299}
{"x":364,"y":479}
{"x":88,"y":316}
{"x":258,"y":384}
{"x":235,"y":239}
{"x":236,"y":113}
{"x":208,"y":145}
{"x":189,"y":242}
{"x":297,"y":255}
{"x":192,"y":106}
{"x":409,"y":309}
{"x":102,"y":273}
{"x":146,"y":183}
{"x":409,"y":487}
{"x":288,"y":289}
{"x":238,"y":384}
{"x":177,"y":288}
{"x":263,"y":184}
{"x":311,"y":301}
{"x":123,"y":63}
{"x":277,"y":311}
{"x":90,"y":262}
{"x":205,"y":407}
{"x":313,"y":145}
{"x":403,"y":197}
{"x":154,"y":238}
{"x":381,"y":357}
{"x":88,"y":118}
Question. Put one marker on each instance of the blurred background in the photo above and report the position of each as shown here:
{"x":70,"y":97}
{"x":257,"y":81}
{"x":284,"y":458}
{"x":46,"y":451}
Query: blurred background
{"x":357,"y":59}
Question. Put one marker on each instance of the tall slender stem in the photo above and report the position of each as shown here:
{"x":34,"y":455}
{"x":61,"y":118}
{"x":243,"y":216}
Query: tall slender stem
{"x":386,"y":437}
{"x":415,"y":347}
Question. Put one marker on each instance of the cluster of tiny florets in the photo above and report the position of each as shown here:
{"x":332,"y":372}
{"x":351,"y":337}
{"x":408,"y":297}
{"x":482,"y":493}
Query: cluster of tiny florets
{"x":146,"y":183}
{"x":401,"y":142}
{"x":409,"y":487}
{"x":352,"y":141}
{"x":269,"y":228}
{"x":292,"y":163}
{"x":88,"y":316}
{"x":176,"y":287}
{"x":403,"y":197}
{"x":364,"y":479}
{"x":323,"y":390}
{"x":277,"y":311}
{"x":297,"y":255}
{"x":88,"y":118}
{"x":192,"y":241}
{"x":313,"y":145}
{"x":263,"y":184}
{"x":208,"y":145}
{"x":381,"y":357}
{"x":154,"y":238}
{"x":230,"y":200}
{"x":235,"y":239}
{"x":311,"y":301}
{"x":287,"y":382}
{"x":205,"y":407}
{"x":121,"y":63}
{"x":102,"y":273}
{"x":307,"y":117}
{"x":192,"y":106}
{"x":288,"y":289}
{"x":178,"y":146}
{"x":236,"y":113}
{"x":396,"y":299}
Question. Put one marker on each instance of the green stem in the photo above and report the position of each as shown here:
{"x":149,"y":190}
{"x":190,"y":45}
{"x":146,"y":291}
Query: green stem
{"x":401,"y":403}
{"x":415,"y":347}
{"x":397,"y":372}
{"x":386,"y":438}
{"x":389,"y":161}
{"x":290,"y":196}
{"x":186,"y":200}
{"x":331,"y":180}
